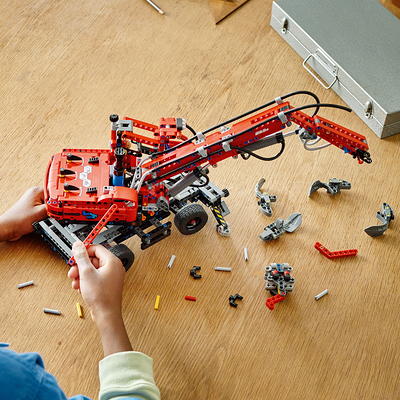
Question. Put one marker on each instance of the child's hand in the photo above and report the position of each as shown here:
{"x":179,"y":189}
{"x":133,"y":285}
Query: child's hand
{"x":18,"y":220}
{"x":99,"y":275}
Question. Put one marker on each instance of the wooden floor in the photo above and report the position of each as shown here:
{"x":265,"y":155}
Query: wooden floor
{"x":67,"y":65}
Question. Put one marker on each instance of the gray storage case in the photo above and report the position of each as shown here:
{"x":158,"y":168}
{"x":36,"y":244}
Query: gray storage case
{"x":354,"y":46}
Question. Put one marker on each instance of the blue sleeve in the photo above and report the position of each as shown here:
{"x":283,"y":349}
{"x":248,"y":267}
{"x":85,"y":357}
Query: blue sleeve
{"x":23,"y":377}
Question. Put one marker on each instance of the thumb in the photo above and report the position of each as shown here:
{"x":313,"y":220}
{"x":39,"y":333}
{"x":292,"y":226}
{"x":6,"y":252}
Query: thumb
{"x":40,"y":212}
{"x":81,"y":257}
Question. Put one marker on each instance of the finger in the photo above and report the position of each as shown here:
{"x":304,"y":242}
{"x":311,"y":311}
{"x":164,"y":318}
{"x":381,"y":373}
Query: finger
{"x":102,"y":254}
{"x":82,"y":258}
{"x":94,"y":261}
{"x":39,"y":212}
{"x":75,"y":284}
{"x":73,"y":273}
{"x":34,"y":193}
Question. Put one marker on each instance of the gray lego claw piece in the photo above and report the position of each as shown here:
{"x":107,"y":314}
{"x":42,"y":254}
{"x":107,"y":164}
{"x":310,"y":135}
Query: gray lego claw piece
{"x":292,"y":222}
{"x":334,"y":186}
{"x":264,"y":199}
{"x":224,"y":230}
{"x":385,"y":215}
{"x":279,"y":227}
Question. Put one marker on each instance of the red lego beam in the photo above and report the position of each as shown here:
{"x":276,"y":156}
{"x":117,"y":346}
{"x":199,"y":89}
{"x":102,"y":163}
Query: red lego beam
{"x":335,"y":254}
{"x":97,"y":229}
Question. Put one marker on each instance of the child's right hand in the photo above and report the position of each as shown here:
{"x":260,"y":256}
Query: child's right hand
{"x":99,"y":275}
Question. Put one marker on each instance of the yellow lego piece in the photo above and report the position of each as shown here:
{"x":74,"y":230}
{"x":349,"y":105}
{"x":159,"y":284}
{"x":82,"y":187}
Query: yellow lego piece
{"x":79,"y":309}
{"x":157,"y":303}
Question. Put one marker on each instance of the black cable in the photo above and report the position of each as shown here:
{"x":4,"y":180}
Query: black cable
{"x":202,"y":184}
{"x":298,"y":92}
{"x":176,"y":160}
{"x":191,"y":129}
{"x":250,"y":153}
{"x":306,"y":92}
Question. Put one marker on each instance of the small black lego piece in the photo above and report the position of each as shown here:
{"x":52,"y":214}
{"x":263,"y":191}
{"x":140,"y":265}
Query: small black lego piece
{"x":233,"y":298}
{"x":193,"y":272}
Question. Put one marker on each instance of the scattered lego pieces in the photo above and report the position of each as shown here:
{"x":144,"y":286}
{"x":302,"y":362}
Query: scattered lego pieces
{"x":334,"y":186}
{"x":51,"y":311}
{"x":246,"y":254}
{"x":385,"y":215}
{"x":279,"y":227}
{"x":279,"y":282}
{"x":79,"y":310}
{"x":233,"y":298}
{"x":322,"y":294}
{"x":335,"y":254}
{"x":157,"y":303}
{"x":264,"y":199}
{"x":171,"y":261}
{"x":190,"y":298}
{"x":222,"y":269}
{"x":193,"y":272}
{"x":25,"y":284}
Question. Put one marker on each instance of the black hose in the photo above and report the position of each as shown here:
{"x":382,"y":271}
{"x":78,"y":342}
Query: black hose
{"x":250,"y":153}
{"x":191,"y":129}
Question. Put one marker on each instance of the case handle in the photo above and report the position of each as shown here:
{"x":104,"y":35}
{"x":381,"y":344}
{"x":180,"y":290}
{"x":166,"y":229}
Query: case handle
{"x":315,"y":76}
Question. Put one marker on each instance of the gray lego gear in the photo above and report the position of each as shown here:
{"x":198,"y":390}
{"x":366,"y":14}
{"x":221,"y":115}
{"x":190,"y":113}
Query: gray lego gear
{"x":278,"y":279}
{"x":264,"y":199}
{"x":279,"y":227}
{"x":385,"y":215}
{"x":334,"y":186}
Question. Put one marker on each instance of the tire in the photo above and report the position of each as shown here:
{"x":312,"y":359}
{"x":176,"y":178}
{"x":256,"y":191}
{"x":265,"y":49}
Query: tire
{"x":190,"y":219}
{"x":125,"y":254}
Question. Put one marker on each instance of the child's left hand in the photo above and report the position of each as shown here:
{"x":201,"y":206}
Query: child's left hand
{"x":17,"y":221}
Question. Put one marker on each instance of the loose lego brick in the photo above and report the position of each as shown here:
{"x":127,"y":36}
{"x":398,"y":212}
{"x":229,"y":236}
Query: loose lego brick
{"x":79,"y":310}
{"x":322,"y":294}
{"x":233,"y":298}
{"x":51,"y":311}
{"x":171,"y":261}
{"x":271,"y":301}
{"x":25,"y":284}
{"x":190,"y":298}
{"x":222,"y":269}
{"x":157,"y":303}
{"x":335,"y":254}
{"x":246,"y":254}
{"x":193,"y":272}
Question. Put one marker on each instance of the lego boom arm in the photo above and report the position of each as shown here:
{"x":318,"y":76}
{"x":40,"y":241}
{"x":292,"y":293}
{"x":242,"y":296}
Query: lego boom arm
{"x":258,"y":131}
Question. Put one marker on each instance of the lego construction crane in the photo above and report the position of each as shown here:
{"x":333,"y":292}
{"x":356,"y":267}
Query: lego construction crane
{"x":145,"y":178}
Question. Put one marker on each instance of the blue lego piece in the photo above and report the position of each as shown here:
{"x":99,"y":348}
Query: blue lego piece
{"x":118,"y":180}
{"x":89,"y":215}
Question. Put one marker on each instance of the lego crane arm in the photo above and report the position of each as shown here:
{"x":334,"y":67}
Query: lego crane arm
{"x":258,"y":131}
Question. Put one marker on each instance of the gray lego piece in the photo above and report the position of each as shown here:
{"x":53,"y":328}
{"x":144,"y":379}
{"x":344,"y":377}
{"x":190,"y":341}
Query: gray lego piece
{"x":322,"y":294}
{"x":51,"y":311}
{"x":279,"y":227}
{"x":334,"y":186}
{"x":385,"y":215}
{"x":278,"y":278}
{"x":208,"y":193}
{"x":264,"y":199}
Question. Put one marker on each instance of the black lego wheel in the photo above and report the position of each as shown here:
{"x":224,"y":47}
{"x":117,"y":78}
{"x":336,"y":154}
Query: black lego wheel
{"x":190,"y":219}
{"x":125,"y":254}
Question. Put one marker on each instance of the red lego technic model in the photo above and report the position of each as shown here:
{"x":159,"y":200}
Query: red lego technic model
{"x":132,"y":187}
